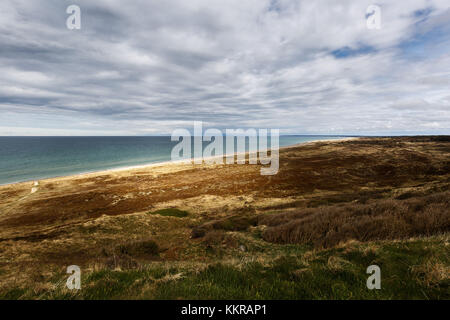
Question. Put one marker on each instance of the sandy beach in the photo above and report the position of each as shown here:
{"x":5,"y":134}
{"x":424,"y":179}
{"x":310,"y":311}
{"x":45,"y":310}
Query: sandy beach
{"x":169,"y":166}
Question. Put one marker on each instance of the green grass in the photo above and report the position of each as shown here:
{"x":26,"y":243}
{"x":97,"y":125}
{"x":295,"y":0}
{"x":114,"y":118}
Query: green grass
{"x":13,"y":294}
{"x":290,"y":278}
{"x":337,"y":273}
{"x":170,"y":212}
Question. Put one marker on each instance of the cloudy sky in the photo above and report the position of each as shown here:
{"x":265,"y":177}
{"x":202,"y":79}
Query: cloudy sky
{"x":144,"y":67}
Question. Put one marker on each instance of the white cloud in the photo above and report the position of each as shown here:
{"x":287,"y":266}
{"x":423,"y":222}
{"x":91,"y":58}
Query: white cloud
{"x":150,"y":66}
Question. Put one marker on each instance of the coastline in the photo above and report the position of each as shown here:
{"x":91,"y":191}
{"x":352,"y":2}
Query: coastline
{"x":158,"y":164}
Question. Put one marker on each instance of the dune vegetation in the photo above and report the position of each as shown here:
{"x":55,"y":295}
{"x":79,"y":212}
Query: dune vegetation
{"x":183,"y":231}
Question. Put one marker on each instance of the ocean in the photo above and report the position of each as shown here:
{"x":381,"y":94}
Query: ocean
{"x":34,"y":158}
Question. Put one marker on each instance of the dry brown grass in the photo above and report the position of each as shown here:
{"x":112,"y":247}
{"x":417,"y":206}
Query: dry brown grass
{"x":381,"y":219}
{"x":139,"y":248}
{"x":214,"y":237}
{"x":432,"y":272}
{"x":232,"y":223}
{"x":337,"y":263}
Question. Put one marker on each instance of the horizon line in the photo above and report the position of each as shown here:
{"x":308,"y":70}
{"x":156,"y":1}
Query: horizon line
{"x":281,"y":135}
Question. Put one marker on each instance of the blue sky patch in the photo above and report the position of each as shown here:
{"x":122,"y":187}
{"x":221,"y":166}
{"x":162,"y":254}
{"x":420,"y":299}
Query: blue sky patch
{"x":347,"y":52}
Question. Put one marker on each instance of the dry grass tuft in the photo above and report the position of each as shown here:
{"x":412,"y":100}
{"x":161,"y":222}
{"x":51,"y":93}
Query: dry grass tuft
{"x":431,"y":273}
{"x":337,"y":263}
{"x":214,"y":237}
{"x":139,"y":248}
{"x":382,"y":219}
{"x":232,"y":223}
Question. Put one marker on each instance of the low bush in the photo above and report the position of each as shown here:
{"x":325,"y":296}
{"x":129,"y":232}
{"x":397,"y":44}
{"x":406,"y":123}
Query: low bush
{"x":382,"y":219}
{"x":139,"y":248}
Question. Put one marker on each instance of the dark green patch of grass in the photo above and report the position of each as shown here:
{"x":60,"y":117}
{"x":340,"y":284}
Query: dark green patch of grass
{"x":13,"y":294}
{"x":111,"y":284}
{"x":255,"y":281}
{"x":288,"y":278}
{"x":171,"y":212}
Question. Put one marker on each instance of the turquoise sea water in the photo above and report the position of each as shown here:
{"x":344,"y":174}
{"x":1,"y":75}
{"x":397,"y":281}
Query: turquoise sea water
{"x":32,"y":158}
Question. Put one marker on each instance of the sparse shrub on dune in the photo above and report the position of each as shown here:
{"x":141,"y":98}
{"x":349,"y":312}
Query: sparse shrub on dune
{"x":214,"y":237}
{"x":382,"y":219}
{"x":232,"y":223}
{"x":235,"y":223}
{"x":139,"y":248}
